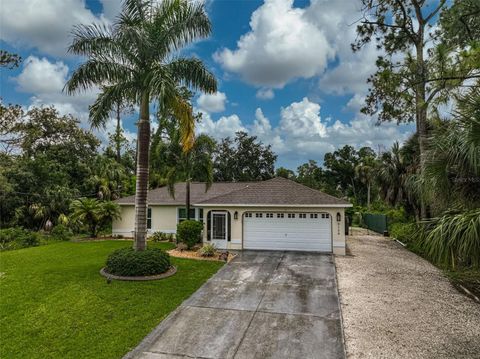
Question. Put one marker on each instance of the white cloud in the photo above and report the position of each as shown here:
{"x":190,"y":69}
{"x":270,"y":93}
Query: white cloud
{"x":45,"y":80}
{"x":45,"y":25}
{"x":212,"y":102}
{"x":355,"y":103}
{"x":282,"y":44}
{"x":302,"y":120}
{"x":226,"y":126}
{"x":265,"y":94}
{"x":302,"y":134}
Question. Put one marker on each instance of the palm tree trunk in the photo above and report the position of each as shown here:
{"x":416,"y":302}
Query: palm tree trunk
{"x":368,"y":196}
{"x":187,"y":199}
{"x":117,"y":135}
{"x":143,"y":144}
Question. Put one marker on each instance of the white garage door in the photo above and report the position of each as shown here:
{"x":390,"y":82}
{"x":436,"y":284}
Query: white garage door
{"x":287,"y":231}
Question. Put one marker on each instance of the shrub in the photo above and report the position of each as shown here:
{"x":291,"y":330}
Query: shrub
{"x":128,"y":262}
{"x":158,"y":236}
{"x":208,"y":250}
{"x":16,"y":237}
{"x":189,"y":232}
{"x":404,"y":232}
{"x":453,"y":239}
{"x":61,"y":233}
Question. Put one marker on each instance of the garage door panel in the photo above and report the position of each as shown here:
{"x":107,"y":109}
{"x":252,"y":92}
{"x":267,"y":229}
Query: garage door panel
{"x":303,"y":234}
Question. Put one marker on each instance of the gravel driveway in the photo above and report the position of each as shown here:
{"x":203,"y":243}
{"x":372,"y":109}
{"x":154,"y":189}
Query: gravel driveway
{"x":397,"y":305}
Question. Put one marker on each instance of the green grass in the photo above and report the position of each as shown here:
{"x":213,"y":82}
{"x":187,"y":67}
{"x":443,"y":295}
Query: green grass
{"x":55,"y":304}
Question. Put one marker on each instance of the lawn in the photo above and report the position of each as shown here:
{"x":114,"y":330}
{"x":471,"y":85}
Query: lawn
{"x":55,"y":304}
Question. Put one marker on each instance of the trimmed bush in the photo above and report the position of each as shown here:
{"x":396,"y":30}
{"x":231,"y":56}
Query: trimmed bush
{"x":208,"y":250}
{"x":128,"y":262}
{"x":189,"y":232}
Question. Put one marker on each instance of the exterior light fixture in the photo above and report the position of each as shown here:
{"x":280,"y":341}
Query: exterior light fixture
{"x":235,"y":215}
{"x":339,"y":217}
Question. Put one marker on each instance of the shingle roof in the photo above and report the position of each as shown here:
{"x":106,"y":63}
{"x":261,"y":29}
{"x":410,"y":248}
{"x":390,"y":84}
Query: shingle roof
{"x":277,"y":191}
{"x":197,"y":193}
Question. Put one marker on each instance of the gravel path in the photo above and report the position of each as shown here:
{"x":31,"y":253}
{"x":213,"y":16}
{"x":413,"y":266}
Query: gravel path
{"x":397,"y":305}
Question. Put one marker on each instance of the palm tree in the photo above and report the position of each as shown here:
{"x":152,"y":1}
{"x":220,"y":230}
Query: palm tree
{"x":133,"y":61}
{"x":365,"y":171}
{"x":87,"y":211}
{"x":187,"y":166}
{"x":451,"y":178}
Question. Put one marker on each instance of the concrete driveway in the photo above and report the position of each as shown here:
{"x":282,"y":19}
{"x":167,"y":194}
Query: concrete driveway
{"x":262,"y":305}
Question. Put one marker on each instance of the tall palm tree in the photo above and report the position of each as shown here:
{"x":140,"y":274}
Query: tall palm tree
{"x":195,"y":164}
{"x":365,"y":171}
{"x":134,"y":61}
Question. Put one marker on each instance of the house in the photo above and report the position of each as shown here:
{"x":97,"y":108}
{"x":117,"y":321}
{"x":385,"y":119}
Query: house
{"x":277,"y":214}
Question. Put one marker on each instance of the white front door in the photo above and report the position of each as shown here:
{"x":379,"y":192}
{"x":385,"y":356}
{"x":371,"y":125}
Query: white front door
{"x":219,"y":229}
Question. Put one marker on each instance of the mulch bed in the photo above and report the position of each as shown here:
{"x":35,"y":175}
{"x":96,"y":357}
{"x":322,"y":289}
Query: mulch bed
{"x":196,"y":255}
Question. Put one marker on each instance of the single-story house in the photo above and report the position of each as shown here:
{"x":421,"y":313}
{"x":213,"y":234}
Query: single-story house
{"x":277,"y":214}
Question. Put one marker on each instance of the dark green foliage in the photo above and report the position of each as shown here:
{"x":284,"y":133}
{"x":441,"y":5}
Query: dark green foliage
{"x":243,"y":158}
{"x":189,"y":232}
{"x":16,"y":238}
{"x":9,"y":60}
{"x":405,"y":232}
{"x":61,"y":233}
{"x":453,"y":239}
{"x":128,"y":262}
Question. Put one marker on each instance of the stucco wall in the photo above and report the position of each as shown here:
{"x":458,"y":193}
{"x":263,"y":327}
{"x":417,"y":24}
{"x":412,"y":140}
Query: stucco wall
{"x":164,"y":219}
{"x":338,"y":228}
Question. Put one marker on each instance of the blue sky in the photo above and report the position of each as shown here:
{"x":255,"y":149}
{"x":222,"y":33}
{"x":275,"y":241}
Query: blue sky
{"x":285,"y":71}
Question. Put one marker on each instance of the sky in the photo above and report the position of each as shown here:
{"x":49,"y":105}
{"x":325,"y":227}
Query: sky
{"x":285,"y":69}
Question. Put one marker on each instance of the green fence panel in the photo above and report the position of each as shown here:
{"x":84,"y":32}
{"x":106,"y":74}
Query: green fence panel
{"x":375,"y":222}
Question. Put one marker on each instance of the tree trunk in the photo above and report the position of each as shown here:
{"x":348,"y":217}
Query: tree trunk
{"x":117,"y":135}
{"x":187,"y":199}
{"x":143,"y":144}
{"x":420,"y":99}
{"x":368,"y":196}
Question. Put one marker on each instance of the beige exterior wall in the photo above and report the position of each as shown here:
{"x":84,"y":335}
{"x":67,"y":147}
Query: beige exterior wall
{"x":125,"y":225}
{"x":164,"y":219}
{"x":338,"y":228}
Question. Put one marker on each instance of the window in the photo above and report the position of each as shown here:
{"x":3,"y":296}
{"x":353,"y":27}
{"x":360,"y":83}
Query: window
{"x":291,"y":215}
{"x":279,"y":215}
{"x":313,"y":215}
{"x":269,"y":215}
{"x":196,"y":214}
{"x":327,"y":215}
{"x":149,"y":218}
{"x":302,"y":215}
{"x":248,"y":215}
{"x":259,"y":215}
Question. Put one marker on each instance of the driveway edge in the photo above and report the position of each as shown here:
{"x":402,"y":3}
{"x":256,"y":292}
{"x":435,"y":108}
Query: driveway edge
{"x":340,"y":308}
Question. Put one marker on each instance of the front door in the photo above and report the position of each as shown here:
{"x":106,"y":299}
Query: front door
{"x":219,"y":230}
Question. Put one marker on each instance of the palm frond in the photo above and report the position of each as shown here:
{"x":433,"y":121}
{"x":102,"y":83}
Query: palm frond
{"x":177,"y":23}
{"x":192,"y":72}
{"x":110,"y":95}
